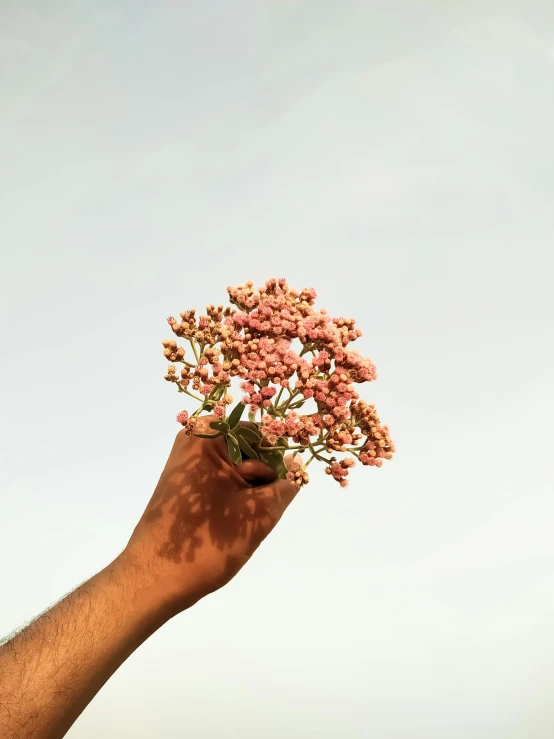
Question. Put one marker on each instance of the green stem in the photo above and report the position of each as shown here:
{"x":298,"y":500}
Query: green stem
{"x":192,"y":395}
{"x":194,"y":349}
{"x":288,"y":401}
{"x":317,"y":455}
{"x":278,"y":398}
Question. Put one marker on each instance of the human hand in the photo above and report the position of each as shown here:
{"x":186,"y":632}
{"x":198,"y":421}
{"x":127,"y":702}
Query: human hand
{"x":204,"y":521}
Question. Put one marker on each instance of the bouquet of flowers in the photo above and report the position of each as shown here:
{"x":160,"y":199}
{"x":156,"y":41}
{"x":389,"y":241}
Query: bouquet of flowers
{"x":297,"y":374}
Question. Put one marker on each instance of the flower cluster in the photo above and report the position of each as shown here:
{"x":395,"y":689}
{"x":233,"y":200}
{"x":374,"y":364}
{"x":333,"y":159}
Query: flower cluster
{"x":286,"y":356}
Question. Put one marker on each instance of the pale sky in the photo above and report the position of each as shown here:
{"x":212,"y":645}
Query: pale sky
{"x":398,"y":157}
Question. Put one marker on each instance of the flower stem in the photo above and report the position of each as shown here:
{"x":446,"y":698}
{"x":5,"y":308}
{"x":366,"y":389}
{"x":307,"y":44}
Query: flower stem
{"x":317,"y":455}
{"x":287,"y":402}
{"x":195,"y":350}
{"x":307,"y":348}
{"x":192,"y":395}
{"x":278,"y":398}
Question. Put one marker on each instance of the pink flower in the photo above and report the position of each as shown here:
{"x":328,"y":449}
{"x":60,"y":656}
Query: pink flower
{"x":320,"y":359}
{"x":183,"y":418}
{"x":273,"y":427}
{"x":290,"y":423}
{"x":253,"y":342}
{"x":340,"y":412}
{"x":241,"y":319}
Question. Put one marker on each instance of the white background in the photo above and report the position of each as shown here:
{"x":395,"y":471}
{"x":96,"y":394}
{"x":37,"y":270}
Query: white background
{"x":398,"y":157}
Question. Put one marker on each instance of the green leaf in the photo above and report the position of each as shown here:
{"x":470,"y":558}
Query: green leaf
{"x":220,"y":426}
{"x":252,"y":417}
{"x":275,"y":460}
{"x":233,"y":449}
{"x":248,"y":433}
{"x":247,"y":449}
{"x":271,"y":411}
{"x":207,"y":436}
{"x":298,"y":404}
{"x":217,"y":392}
{"x":283,"y":441}
{"x":236,"y":413}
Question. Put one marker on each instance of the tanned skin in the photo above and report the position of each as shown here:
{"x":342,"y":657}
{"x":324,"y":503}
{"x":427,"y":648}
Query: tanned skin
{"x":203,"y":523}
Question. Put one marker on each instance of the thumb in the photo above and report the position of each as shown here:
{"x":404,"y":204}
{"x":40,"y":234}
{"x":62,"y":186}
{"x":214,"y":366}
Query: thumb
{"x":255,"y":472}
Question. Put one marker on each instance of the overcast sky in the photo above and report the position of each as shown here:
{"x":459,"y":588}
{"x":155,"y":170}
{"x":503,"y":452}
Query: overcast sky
{"x":398,"y":157}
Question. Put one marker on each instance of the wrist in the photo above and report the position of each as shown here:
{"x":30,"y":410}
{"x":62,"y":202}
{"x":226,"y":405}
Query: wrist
{"x":147,"y":590}
{"x":138,"y":591}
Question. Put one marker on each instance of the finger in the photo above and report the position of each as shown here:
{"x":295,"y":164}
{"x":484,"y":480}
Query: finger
{"x":256,"y":472}
{"x":284,"y":491}
{"x":217,"y":445}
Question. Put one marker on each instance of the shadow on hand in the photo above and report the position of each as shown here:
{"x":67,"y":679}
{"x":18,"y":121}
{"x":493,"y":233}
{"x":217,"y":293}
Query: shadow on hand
{"x":203,"y":495}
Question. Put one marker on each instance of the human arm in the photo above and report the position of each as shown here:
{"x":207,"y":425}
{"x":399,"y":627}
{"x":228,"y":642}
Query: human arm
{"x":203,"y":522}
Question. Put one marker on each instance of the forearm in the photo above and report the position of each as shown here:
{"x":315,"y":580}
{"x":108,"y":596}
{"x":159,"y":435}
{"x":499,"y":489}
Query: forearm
{"x":203,"y":522}
{"x":50,"y":671}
